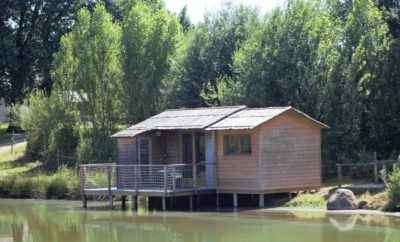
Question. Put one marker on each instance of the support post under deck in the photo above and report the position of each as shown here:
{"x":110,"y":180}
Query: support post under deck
{"x":84,"y":201}
{"x":110,"y":195}
{"x":123,"y":202}
{"x":235,"y":200}
{"x":134,"y":202}
{"x":191,"y":203}
{"x":261,"y":202}
{"x":164,"y":203}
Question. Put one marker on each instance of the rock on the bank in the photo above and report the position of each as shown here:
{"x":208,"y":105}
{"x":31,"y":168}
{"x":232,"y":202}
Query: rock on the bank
{"x":342,"y":199}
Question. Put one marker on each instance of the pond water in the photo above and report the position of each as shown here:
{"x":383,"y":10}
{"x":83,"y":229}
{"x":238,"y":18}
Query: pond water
{"x":60,"y":221}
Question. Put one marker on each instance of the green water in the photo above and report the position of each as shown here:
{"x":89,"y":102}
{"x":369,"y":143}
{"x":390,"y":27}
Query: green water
{"x":60,"y":221}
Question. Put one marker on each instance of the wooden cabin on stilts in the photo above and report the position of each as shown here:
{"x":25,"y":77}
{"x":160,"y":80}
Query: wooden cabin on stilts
{"x":216,"y":150}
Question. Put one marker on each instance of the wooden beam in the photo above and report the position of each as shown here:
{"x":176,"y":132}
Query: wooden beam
{"x":134,"y":202}
{"x":164,"y":203}
{"x":194,"y":166}
{"x":261,"y":202}
{"x":191,"y":203}
{"x":110,"y":195}
{"x":235,"y":200}
{"x":84,"y":201}
{"x":123,"y":202}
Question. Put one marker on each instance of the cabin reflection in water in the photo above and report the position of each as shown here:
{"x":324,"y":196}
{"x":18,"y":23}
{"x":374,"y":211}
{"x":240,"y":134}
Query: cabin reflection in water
{"x":41,"y":223}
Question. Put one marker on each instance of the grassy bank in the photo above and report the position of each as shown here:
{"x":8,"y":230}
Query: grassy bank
{"x":21,"y":179}
{"x":319,"y":199}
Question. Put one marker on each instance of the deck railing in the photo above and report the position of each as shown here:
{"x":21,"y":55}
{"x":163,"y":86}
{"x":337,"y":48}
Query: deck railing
{"x":167,"y":178}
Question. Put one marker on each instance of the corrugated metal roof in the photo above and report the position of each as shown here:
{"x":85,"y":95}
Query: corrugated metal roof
{"x":252,"y":117}
{"x":193,"y":118}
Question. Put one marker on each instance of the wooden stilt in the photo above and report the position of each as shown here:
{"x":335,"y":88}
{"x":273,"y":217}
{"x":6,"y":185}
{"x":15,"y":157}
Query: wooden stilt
{"x":164,"y":203}
{"x":84,"y":201}
{"x":261,"y":203}
{"x":110,"y":201}
{"x":110,"y":195}
{"x":191,"y":203}
{"x":123,"y":202}
{"x":134,"y":202}
{"x":235,"y":200}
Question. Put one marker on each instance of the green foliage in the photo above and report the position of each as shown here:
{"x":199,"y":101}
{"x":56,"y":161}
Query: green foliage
{"x":61,"y":185}
{"x":206,"y":56}
{"x":307,"y":200}
{"x":393,"y":190}
{"x":88,"y":80}
{"x":28,"y":45}
{"x":50,"y":129}
{"x":149,"y":38}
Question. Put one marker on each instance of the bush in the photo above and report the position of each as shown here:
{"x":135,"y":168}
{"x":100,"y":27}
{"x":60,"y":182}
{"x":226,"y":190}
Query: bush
{"x":393,"y":190}
{"x":307,"y":200}
{"x":50,"y":128}
{"x":22,"y":188}
{"x":57,"y":189}
{"x":63,"y":184}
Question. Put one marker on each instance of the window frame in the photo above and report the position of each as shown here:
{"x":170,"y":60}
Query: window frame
{"x":236,"y":140}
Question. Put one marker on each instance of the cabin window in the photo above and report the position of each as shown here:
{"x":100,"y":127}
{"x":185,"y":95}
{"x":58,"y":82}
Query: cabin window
{"x":237,"y":144}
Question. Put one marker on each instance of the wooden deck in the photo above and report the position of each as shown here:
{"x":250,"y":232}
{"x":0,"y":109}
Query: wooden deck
{"x":149,"y":192}
{"x":146,"y":180}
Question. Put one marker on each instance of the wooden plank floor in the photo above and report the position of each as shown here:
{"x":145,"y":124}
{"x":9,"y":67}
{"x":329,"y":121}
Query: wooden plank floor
{"x":149,"y":192}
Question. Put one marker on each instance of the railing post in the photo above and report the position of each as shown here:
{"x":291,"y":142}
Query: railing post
{"x":165,"y":178}
{"x":110,"y":196}
{"x":173,"y":174}
{"x":135,"y":174}
{"x":194,"y":161}
{"x":82,"y":173}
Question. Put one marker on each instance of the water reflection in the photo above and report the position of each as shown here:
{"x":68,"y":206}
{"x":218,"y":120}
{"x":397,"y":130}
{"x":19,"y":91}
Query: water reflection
{"x":31,"y":221}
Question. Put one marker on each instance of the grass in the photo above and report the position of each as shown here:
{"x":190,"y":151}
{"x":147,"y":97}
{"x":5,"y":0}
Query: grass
{"x":18,"y":151}
{"x":378,"y":201}
{"x":307,"y":200}
{"x":19,"y":179}
{"x":3,"y":130}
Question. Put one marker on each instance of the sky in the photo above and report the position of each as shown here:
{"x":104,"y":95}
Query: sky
{"x":197,"y":8}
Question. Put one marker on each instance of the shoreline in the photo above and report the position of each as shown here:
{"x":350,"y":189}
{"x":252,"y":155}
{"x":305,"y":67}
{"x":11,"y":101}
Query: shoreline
{"x":328,"y":212}
{"x":255,"y":210}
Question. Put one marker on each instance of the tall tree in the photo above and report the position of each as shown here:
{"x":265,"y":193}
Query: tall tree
{"x":184,"y":19}
{"x":209,"y":52}
{"x":149,"y":39}
{"x":31,"y":31}
{"x":88,"y":71}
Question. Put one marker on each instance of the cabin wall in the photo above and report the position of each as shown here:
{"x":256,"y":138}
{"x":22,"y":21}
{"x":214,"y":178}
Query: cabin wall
{"x":290,"y":153}
{"x":237,"y":172}
{"x":126,"y":151}
{"x":165,"y":148}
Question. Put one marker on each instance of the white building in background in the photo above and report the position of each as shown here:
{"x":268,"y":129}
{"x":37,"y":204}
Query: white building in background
{"x":3,"y":111}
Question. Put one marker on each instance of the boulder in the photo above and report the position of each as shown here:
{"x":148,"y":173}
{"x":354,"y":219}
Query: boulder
{"x":342,"y":199}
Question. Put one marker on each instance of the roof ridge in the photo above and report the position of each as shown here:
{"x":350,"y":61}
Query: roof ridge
{"x":273,"y":107}
{"x":198,"y":108}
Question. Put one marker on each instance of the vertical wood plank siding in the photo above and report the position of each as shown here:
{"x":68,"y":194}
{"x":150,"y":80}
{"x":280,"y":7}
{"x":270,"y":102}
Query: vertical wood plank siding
{"x":286,"y":155}
{"x":290,"y":153}
{"x":126,"y":151}
{"x":237,"y":172}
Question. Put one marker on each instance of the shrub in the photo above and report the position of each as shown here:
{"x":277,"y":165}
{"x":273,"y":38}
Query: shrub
{"x":22,"y":188}
{"x":57,"y":188}
{"x":307,"y":200}
{"x":63,"y":184}
{"x":50,"y":128}
{"x":393,"y":189}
